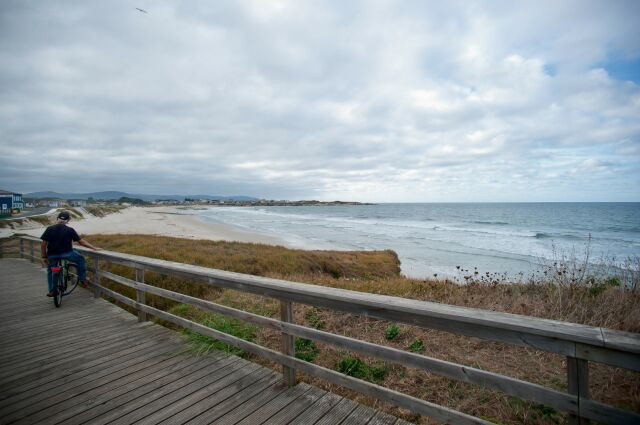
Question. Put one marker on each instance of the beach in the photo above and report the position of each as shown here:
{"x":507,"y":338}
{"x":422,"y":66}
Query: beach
{"x":431,"y":240}
{"x":162,"y":221}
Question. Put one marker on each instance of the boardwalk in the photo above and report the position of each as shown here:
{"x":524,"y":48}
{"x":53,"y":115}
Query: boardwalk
{"x":91,"y":362}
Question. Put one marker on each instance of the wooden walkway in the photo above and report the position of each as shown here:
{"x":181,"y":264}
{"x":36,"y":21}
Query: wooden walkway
{"x":91,"y":362}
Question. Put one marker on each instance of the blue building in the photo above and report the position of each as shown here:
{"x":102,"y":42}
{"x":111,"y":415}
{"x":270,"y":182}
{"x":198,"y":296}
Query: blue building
{"x":10,"y":201}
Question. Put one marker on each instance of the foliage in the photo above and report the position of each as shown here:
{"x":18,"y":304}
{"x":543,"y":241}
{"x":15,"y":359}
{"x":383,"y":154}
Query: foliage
{"x":132,"y":201}
{"x":392,"y":332}
{"x":306,"y":349}
{"x":354,"y":366}
{"x":314,"y":319}
{"x":237,"y":328}
{"x":417,"y":346}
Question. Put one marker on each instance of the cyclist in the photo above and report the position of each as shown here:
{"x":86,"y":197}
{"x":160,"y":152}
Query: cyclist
{"x":57,"y":242}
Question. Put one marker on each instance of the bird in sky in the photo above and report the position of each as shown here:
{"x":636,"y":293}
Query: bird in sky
{"x":142,"y":10}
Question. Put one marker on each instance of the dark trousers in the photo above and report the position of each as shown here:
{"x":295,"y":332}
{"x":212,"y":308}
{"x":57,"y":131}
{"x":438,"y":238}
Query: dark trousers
{"x":72,"y":256}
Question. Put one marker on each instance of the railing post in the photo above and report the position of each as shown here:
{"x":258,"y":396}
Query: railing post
{"x":96,"y":277}
{"x":33,"y":256}
{"x":140,"y":295}
{"x":21,"y":248}
{"x":578,"y":384}
{"x":287,"y":347}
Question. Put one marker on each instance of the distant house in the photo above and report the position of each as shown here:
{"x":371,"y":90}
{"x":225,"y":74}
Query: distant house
{"x":51,"y":202}
{"x":77,"y":202}
{"x":10,"y":201}
{"x":17,"y":201}
{"x":5,"y":202}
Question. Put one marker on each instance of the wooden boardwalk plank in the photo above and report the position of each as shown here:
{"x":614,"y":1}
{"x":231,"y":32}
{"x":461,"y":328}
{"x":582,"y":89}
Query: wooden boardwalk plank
{"x":381,"y":418}
{"x":360,"y":416}
{"x":294,"y":409}
{"x":275,"y":405}
{"x":38,"y":394}
{"x":208,"y":400}
{"x":247,"y":408}
{"x":338,"y":413}
{"x":55,"y":400}
{"x":65,"y":358}
{"x":104,"y":399}
{"x":62,"y":345}
{"x":132,"y":405}
{"x":191,"y":394}
{"x":211,"y":415}
{"x":111,"y":363}
{"x":317,"y":410}
{"x":90,"y":362}
{"x":114,"y":352}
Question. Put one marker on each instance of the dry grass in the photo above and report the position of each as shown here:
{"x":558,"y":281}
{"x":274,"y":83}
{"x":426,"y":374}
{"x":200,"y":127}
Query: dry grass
{"x":256,"y":259}
{"x":378,"y":272}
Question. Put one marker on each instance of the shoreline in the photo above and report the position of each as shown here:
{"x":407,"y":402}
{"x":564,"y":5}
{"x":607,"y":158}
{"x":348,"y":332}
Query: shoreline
{"x":160,"y":221}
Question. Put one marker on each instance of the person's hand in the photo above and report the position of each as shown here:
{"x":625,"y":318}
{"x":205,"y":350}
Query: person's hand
{"x":45,"y":262}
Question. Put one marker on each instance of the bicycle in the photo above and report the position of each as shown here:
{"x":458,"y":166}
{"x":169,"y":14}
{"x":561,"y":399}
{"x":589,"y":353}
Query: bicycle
{"x":65,"y":279}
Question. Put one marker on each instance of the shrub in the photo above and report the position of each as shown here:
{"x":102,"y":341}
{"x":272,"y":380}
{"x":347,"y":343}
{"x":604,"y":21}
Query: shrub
{"x":353,"y":366}
{"x":357,"y":368}
{"x":417,"y":346}
{"x":598,"y":287}
{"x":306,"y":349}
{"x":392,"y":332}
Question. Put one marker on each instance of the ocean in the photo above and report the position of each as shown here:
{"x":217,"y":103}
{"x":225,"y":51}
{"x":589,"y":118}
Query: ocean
{"x":438,"y":238}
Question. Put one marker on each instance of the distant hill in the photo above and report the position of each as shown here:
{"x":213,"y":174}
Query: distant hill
{"x":110,"y":195}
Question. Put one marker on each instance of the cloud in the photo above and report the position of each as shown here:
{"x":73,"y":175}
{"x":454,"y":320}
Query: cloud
{"x":380,"y":101}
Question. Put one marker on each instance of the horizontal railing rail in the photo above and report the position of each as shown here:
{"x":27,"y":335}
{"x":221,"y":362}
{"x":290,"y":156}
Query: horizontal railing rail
{"x":579,"y":343}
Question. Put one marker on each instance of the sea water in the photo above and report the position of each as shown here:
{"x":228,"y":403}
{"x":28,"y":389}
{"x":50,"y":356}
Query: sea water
{"x":440,"y":238}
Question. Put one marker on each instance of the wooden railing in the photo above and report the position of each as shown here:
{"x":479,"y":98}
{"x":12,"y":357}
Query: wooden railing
{"x":580,"y":344}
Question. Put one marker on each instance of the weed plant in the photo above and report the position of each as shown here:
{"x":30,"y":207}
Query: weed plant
{"x":356,"y":367}
{"x":392,"y":332}
{"x":306,"y":349}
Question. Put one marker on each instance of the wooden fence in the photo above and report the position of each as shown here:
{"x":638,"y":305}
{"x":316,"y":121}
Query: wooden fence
{"x":580,"y":344}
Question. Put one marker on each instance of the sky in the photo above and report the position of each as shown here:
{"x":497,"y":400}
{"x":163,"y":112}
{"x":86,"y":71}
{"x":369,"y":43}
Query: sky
{"x":376,"y":101}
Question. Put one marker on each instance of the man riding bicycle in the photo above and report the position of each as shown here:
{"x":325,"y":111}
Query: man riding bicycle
{"x":57,"y":243}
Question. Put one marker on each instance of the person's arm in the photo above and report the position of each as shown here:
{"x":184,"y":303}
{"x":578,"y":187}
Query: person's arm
{"x":88,"y":245}
{"x":43,"y":253}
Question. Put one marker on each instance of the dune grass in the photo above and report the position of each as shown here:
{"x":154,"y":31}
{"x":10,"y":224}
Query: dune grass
{"x":378,"y":272}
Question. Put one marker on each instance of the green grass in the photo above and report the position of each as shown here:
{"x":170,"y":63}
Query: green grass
{"x":306,"y":349}
{"x":203,"y":343}
{"x":354,"y":366}
{"x":314,"y":319}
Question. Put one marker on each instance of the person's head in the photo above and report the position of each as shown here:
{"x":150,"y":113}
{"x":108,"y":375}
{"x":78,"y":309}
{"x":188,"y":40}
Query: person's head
{"x":63,"y":217}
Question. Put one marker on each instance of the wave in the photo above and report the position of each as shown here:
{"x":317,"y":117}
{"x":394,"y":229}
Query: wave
{"x":496,"y":223}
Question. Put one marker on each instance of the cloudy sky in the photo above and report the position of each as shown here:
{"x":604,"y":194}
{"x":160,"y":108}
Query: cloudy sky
{"x":411,"y":101}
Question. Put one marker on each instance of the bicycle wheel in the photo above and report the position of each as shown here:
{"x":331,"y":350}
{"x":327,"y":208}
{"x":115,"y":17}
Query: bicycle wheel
{"x":57,"y":293}
{"x":70,"y":278}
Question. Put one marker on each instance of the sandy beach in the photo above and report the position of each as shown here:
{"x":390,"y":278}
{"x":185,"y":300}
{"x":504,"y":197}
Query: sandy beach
{"x":163,"y":221}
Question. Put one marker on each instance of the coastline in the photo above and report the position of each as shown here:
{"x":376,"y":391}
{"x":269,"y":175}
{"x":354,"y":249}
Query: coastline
{"x":161,"y":221}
